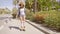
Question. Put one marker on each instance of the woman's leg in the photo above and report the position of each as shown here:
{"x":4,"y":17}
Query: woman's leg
{"x":21,"y":21}
{"x":23,"y":18}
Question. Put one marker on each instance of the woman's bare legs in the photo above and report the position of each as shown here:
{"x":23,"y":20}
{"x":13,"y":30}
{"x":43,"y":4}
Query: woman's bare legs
{"x":22,"y":18}
{"x":21,"y":21}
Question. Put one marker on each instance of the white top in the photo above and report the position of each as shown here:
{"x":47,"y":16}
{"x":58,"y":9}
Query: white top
{"x":22,"y":11}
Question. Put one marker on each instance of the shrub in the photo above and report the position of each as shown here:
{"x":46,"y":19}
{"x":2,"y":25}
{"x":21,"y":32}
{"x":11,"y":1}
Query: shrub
{"x":50,"y":19}
{"x":38,"y":18}
{"x":14,"y":15}
{"x":53,"y":20}
{"x":29,"y":14}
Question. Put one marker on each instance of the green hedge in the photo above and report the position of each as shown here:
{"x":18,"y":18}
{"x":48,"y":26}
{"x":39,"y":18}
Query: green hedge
{"x":51,"y":18}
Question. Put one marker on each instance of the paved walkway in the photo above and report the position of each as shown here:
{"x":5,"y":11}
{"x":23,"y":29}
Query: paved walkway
{"x":14,"y":24}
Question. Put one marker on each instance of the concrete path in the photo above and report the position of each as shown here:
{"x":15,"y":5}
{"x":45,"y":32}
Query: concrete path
{"x":13,"y":27}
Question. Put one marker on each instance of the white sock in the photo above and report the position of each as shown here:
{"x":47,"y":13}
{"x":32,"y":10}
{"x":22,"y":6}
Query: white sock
{"x":23,"y":23}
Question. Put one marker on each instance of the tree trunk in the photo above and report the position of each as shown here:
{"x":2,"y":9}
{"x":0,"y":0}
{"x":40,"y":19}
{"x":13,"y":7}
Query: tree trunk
{"x":35,"y":6}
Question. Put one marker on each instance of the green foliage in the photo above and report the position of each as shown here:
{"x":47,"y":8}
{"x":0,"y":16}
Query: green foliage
{"x":15,"y":2}
{"x":39,"y":18}
{"x":29,"y":4}
{"x":50,"y":18}
{"x":28,"y":14}
{"x":42,"y":4}
{"x":53,"y":20}
{"x":4,"y":11}
{"x":14,"y":15}
{"x":14,"y":12}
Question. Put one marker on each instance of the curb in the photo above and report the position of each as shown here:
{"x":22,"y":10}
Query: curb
{"x":41,"y":28}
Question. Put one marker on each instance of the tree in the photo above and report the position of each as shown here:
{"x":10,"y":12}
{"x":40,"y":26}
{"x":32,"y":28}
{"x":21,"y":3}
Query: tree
{"x":14,"y":10}
{"x":42,"y":4}
{"x":35,"y":6}
{"x":15,"y":2}
{"x":29,"y":4}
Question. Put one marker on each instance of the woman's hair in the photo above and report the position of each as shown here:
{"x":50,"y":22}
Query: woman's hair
{"x":21,"y":5}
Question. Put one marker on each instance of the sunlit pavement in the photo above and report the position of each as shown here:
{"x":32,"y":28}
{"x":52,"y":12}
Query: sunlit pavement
{"x":13,"y":27}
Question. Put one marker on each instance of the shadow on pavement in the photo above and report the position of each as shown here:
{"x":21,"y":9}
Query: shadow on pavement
{"x":10,"y":27}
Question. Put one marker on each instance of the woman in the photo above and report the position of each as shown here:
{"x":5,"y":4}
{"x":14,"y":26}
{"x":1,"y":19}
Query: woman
{"x":22,"y":16}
